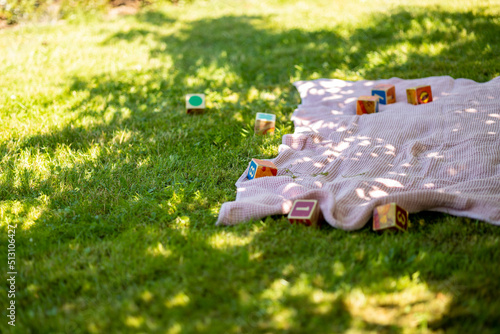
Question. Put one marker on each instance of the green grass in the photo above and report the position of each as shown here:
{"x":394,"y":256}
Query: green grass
{"x":115,"y":190}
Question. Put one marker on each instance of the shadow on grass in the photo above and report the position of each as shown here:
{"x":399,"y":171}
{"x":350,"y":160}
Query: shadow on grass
{"x":144,"y":175}
{"x":407,"y":44}
{"x":226,"y":277}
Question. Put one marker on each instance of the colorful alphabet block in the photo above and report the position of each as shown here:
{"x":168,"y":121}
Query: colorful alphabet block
{"x":261,"y":168}
{"x":304,"y":211}
{"x":390,"y":217}
{"x":419,"y":95}
{"x":264,"y":123}
{"x":195,"y":103}
{"x":385,"y":92}
{"x":367,"y":105}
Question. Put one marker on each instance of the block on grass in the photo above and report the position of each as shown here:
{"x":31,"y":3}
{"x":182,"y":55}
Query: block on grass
{"x":264,"y":123}
{"x":390,"y":217}
{"x":419,"y":95}
{"x":304,"y":211}
{"x":385,"y":92}
{"x":261,"y":168}
{"x":195,"y":103}
{"x":367,"y":105}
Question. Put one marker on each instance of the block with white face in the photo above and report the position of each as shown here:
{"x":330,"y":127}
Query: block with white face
{"x":195,"y":101}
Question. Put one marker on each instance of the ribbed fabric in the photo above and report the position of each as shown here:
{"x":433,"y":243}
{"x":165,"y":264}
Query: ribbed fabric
{"x":441,"y":156}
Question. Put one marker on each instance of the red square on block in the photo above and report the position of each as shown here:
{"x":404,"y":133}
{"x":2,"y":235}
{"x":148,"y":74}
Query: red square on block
{"x":304,"y":211}
{"x":390,"y":217}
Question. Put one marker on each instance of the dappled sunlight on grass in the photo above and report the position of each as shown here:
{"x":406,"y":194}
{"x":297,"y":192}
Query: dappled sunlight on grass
{"x":134,"y":322}
{"x":405,"y":302}
{"x":182,"y":224}
{"x":215,"y":75}
{"x":223,"y":240}
{"x":117,"y":190}
{"x":179,"y":300}
{"x":23,"y":214}
{"x":175,"y":329}
{"x":270,"y":150}
{"x":34,"y":213}
{"x":159,"y":250}
{"x":285,"y":302}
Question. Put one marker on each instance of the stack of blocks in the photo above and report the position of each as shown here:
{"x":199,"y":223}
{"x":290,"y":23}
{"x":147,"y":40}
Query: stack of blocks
{"x":264,"y":123}
{"x":261,"y":168}
{"x":305,"y":211}
{"x":390,"y":217}
{"x":367,"y":105}
{"x":386,"y":93}
{"x":195,"y":103}
{"x":419,"y":95}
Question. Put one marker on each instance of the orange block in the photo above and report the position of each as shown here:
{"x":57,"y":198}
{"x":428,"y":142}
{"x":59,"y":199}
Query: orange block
{"x":264,"y":123}
{"x":385,"y":92}
{"x":390,"y":217}
{"x":367,"y":105}
{"x":419,"y":95}
{"x":261,"y":168}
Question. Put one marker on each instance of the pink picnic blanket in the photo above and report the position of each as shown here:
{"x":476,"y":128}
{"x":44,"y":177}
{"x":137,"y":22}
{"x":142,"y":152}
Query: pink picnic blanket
{"x":440,"y":156}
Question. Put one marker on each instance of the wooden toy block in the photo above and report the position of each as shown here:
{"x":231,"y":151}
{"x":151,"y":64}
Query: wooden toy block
{"x":195,"y":103}
{"x":390,"y":217}
{"x":304,"y":211}
{"x":419,"y":95}
{"x":385,"y":92}
{"x":367,"y":105}
{"x":264,"y":123}
{"x":261,"y":168}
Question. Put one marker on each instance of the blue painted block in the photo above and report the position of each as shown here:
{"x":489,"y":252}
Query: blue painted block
{"x":252,"y":170}
{"x":381,"y":95}
{"x":386,"y":93}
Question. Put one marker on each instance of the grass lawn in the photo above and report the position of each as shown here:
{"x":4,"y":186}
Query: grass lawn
{"x":115,"y":190}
